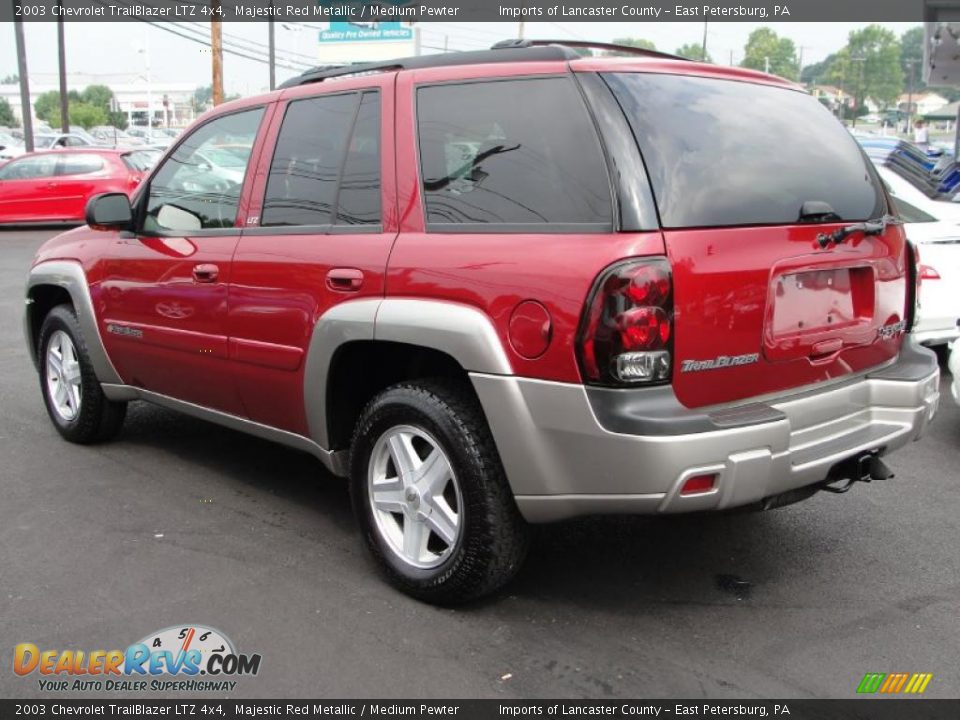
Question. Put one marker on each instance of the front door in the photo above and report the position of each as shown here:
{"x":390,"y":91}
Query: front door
{"x":164,"y":289}
{"x":28,"y":189}
{"x":319,"y":233}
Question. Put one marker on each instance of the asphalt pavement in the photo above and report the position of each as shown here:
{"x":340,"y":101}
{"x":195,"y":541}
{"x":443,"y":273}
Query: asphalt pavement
{"x":182,"y":522}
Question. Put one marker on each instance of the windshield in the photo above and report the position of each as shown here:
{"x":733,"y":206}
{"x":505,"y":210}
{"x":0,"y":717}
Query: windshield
{"x":726,"y":153}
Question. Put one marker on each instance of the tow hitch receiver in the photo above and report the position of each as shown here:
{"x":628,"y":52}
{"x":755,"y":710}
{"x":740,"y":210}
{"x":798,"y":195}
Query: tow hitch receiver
{"x":862,"y":468}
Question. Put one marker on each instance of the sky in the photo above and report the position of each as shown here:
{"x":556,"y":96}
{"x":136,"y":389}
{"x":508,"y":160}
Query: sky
{"x":117,"y":49}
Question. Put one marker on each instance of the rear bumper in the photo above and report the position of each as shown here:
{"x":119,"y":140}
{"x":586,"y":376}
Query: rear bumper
{"x":570,"y":451}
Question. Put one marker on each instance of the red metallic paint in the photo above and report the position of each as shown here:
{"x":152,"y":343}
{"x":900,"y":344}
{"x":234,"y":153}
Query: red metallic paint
{"x":63,"y":198}
{"x":241,"y":343}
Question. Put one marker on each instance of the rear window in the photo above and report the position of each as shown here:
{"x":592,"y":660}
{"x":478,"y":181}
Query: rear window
{"x":80,"y":164}
{"x":141,"y":160}
{"x":726,"y":153}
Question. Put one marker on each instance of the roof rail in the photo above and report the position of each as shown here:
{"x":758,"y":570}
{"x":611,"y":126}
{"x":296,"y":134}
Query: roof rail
{"x":588,"y":45}
{"x":524,"y":53}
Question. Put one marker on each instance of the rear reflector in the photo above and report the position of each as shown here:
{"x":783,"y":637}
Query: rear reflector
{"x":698,"y":484}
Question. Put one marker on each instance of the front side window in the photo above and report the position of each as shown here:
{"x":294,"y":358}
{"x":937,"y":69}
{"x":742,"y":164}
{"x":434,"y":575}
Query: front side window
{"x":29,"y":168}
{"x":198,"y":187}
{"x":79,"y":164}
{"x":326,"y":166}
{"x":517,"y":152}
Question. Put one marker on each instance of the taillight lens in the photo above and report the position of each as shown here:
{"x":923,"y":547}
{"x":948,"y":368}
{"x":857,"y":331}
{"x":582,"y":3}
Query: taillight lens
{"x":626,"y":334}
{"x":928,"y":272}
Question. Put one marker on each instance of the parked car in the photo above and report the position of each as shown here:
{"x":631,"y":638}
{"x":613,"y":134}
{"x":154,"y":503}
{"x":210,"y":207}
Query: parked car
{"x":934,"y":225}
{"x":954,"y":365}
{"x":109,"y":135}
{"x":42,"y":141}
{"x":151,"y":136}
{"x":454,"y":280}
{"x":10,"y":147}
{"x":55,"y":185}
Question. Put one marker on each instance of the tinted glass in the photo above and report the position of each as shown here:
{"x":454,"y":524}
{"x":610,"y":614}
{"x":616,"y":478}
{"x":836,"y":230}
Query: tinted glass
{"x":79,"y":164}
{"x":189,"y":181}
{"x":723,"y":153}
{"x":141,"y":160}
{"x":911,"y":214}
{"x":516,"y":151}
{"x":302,"y":186}
{"x":358,"y":202}
{"x":38,"y":166}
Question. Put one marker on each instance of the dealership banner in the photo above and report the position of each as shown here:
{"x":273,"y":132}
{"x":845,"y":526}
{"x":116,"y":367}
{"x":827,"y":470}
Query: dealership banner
{"x":483,"y":709}
{"x":371,"y":11}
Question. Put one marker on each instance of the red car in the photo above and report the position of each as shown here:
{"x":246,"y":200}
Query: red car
{"x":503,"y":288}
{"x":54,"y":186}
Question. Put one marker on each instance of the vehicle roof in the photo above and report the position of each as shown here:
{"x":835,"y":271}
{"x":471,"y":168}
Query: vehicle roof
{"x":505,"y":61}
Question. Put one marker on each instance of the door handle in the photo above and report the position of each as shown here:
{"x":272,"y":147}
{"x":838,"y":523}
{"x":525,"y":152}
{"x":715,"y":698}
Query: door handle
{"x":205,"y":273}
{"x":344,"y":279}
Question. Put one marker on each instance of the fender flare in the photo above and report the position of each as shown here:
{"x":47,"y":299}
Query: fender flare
{"x":463,"y":332}
{"x":69,"y":275}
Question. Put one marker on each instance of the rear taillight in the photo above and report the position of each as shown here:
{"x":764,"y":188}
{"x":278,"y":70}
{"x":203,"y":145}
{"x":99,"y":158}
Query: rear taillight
{"x":626,"y":335}
{"x":928,"y":272}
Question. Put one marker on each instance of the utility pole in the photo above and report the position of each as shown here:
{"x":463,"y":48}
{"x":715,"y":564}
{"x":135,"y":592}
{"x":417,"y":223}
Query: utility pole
{"x":910,"y":64}
{"x":800,"y":65}
{"x":520,"y":29}
{"x":26,"y":110}
{"x":273,"y":50}
{"x":216,"y":49}
{"x":766,"y":64}
{"x":62,"y":56}
{"x":704,"y":48}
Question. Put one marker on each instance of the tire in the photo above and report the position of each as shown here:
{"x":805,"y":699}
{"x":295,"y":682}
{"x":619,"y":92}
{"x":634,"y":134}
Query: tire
{"x":80,"y":412}
{"x":474,"y":505}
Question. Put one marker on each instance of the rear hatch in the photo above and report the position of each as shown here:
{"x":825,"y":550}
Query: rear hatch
{"x":742,"y":173}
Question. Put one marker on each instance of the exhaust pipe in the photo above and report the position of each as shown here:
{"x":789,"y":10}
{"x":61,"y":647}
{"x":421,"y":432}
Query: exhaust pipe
{"x":861,"y":468}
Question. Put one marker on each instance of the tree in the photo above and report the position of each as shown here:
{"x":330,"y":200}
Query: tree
{"x":814,"y":73}
{"x":693,"y":51}
{"x":869,"y":66}
{"x":86,"y":115}
{"x":911,"y":52}
{"x":641,"y":43}
{"x":767,"y":51}
{"x":10,"y":80}
{"x":7,"y":118}
{"x":202,"y":98}
{"x":47,"y":106}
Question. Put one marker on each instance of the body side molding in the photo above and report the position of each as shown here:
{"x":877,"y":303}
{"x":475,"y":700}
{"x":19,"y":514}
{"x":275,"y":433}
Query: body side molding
{"x":335,"y":462}
{"x":69,"y":275}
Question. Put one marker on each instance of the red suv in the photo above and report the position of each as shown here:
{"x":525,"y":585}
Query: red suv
{"x":502,"y":288}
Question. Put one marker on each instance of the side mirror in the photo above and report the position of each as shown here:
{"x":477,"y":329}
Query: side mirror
{"x":109,"y":210}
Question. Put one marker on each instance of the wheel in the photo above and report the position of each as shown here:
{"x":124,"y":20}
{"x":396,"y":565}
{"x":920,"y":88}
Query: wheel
{"x":71,"y":392}
{"x":431,"y":496}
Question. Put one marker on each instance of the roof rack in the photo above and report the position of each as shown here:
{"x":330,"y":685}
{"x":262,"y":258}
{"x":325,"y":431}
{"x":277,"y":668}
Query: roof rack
{"x":502,"y":52}
{"x":586,"y":45}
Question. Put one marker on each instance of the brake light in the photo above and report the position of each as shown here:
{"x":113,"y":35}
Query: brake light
{"x":627,"y":329}
{"x":928,"y":272}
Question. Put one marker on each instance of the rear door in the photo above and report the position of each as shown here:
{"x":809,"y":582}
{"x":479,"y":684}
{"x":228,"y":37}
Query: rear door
{"x":761,"y":307}
{"x":28,"y":189}
{"x":320,"y":227}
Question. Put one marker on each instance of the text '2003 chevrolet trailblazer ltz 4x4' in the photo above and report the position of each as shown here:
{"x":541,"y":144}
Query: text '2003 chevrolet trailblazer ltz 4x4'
{"x":502,"y":288}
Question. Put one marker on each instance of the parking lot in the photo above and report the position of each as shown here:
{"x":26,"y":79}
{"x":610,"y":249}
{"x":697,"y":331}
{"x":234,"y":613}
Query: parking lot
{"x":183,"y":522}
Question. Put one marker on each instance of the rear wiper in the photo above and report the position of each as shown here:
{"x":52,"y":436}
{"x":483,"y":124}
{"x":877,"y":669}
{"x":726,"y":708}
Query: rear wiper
{"x":870,"y":227}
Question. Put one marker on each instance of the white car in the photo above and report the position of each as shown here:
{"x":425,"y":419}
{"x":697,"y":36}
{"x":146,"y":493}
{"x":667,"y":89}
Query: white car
{"x":934,"y":226}
{"x":954,"y":365}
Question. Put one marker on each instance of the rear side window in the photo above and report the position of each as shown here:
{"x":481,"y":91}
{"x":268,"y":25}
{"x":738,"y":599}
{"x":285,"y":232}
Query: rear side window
{"x":29,"y":168}
{"x":80,"y":164}
{"x":511,"y":152}
{"x":326,"y":166}
{"x":726,"y":153}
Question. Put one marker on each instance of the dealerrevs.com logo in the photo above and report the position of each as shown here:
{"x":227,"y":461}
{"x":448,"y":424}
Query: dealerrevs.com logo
{"x":187,"y":658}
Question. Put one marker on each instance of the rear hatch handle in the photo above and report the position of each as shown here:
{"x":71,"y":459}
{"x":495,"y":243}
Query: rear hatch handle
{"x":871,"y":227}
